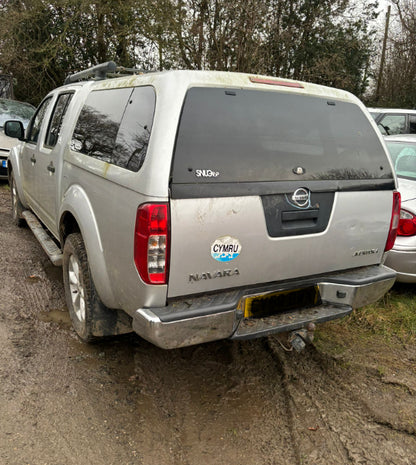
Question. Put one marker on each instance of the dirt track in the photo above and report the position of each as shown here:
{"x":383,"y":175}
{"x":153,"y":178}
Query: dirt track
{"x":231,"y":403}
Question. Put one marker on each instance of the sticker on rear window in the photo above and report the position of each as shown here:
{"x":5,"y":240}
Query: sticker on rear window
{"x":206,"y":173}
{"x":225,"y":249}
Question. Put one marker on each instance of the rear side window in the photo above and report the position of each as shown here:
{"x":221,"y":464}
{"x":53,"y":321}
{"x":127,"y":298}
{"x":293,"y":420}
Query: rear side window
{"x":258,"y":136}
{"x":114,"y":126}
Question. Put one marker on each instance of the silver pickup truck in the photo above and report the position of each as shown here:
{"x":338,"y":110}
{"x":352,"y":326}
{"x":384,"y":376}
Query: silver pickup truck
{"x":191,"y":206}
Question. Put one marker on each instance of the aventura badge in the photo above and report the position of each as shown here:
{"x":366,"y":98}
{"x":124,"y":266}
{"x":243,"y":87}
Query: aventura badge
{"x":225,"y":249}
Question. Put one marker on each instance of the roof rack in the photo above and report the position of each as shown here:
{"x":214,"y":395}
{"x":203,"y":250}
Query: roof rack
{"x":102,"y":71}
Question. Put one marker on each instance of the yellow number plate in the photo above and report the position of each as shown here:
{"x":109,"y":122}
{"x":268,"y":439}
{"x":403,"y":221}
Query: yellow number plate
{"x":277,"y":302}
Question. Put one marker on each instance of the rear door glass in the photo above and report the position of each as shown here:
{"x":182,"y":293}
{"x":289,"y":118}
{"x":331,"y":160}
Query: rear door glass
{"x":257,"y":136}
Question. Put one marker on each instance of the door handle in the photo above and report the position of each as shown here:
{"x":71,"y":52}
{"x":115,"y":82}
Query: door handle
{"x":51,"y":168}
{"x":33,"y":159}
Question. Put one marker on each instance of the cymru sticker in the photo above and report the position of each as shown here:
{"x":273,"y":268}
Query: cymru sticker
{"x":225,"y":249}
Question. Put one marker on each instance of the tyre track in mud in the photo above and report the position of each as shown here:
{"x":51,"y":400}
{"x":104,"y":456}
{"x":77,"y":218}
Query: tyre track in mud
{"x":344,"y":428}
{"x":225,"y":403}
{"x":124,"y":401}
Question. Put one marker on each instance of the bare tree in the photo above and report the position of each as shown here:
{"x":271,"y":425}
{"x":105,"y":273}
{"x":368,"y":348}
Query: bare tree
{"x":398,"y":83}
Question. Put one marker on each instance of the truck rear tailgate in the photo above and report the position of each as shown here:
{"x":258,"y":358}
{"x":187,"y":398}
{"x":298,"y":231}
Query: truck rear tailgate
{"x":355,"y":236}
{"x":269,"y":186}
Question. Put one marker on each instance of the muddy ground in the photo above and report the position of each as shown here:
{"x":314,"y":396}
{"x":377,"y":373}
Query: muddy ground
{"x":125,"y":401}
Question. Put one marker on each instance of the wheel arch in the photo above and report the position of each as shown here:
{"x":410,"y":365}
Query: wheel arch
{"x":77,"y":215}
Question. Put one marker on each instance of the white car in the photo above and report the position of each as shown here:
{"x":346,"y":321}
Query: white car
{"x":11,"y":110}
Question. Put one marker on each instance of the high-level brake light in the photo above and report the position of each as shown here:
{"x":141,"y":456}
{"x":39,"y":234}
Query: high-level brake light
{"x":275,"y":82}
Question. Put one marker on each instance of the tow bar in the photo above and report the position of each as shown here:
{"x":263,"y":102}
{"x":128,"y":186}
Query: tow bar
{"x":298,"y":339}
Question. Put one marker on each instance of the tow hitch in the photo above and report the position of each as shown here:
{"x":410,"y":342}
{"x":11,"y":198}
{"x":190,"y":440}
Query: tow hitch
{"x":298,"y":339}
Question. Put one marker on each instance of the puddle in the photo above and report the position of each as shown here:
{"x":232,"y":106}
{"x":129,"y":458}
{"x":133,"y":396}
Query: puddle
{"x":59,"y":317}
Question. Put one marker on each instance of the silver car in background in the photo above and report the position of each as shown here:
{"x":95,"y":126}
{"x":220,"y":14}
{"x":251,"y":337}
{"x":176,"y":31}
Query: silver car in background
{"x":391,"y":121}
{"x":402,"y":258}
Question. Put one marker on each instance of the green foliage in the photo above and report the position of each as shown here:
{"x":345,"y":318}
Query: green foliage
{"x":41,"y":42}
{"x":315,"y":40}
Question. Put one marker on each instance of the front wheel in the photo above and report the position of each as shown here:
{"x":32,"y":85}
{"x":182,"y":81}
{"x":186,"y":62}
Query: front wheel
{"x":17,"y":207}
{"x":90,"y":318}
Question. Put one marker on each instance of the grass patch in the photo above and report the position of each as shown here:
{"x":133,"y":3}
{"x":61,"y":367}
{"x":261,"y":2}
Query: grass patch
{"x":392,"y":318}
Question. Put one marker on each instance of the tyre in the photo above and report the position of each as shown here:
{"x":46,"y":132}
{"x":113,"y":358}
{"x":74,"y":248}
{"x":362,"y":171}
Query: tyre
{"x":90,"y":318}
{"x":17,"y":207}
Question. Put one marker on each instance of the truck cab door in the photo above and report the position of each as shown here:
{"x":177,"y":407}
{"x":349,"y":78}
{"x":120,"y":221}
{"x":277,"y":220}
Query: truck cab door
{"x":49,"y":161}
{"x":29,"y":155}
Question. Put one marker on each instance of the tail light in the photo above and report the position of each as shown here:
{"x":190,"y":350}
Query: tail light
{"x":394,"y":223}
{"x":407,"y":224}
{"x":152,"y":242}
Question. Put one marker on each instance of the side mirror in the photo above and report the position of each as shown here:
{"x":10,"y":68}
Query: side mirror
{"x":15,"y":129}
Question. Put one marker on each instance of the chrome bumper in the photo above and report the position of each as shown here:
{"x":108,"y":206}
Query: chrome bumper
{"x":208,"y":318}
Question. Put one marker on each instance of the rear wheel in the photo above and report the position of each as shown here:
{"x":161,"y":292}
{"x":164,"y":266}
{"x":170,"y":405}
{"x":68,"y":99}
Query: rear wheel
{"x":79,"y":290}
{"x":17,"y":207}
{"x":90,"y":318}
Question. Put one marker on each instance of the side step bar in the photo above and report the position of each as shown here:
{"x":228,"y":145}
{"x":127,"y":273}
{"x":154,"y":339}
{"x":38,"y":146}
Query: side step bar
{"x":48,"y":244}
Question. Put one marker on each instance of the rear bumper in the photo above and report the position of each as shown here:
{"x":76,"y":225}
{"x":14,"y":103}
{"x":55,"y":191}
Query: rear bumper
{"x":211,"y":317}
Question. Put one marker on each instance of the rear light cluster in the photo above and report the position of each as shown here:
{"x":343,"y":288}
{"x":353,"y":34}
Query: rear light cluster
{"x":152,"y":242}
{"x":407,"y":224}
{"x":394,"y":223}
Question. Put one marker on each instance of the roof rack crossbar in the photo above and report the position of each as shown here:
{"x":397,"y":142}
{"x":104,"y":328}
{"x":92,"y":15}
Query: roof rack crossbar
{"x":102,"y":71}
{"x":122,"y":69}
{"x":99,"y":72}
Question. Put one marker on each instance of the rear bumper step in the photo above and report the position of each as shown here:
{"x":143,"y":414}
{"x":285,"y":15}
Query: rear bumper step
{"x":220,"y":316}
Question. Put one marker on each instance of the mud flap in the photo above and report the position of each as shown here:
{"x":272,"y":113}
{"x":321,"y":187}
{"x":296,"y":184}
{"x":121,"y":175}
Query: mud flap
{"x":109,"y":322}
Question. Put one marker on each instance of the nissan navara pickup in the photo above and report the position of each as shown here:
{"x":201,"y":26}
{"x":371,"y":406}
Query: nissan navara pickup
{"x":192,"y":206}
